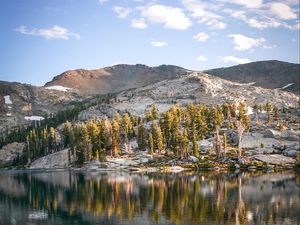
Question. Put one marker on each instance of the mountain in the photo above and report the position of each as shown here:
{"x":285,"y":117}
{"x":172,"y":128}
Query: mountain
{"x":21,"y":103}
{"x":115,"y":78}
{"x":194,"y":86}
{"x":267,"y":74}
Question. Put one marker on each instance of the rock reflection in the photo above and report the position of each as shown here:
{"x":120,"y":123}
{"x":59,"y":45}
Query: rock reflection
{"x":124,"y":198}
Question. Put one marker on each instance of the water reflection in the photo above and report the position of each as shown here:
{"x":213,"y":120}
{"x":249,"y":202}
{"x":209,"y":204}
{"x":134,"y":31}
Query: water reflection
{"x":122,"y":198}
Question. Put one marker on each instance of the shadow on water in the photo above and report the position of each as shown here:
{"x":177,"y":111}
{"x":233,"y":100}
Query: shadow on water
{"x":111,"y":198}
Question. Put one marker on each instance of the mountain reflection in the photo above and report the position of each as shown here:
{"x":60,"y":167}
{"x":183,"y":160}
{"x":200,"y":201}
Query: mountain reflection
{"x":123,"y":198}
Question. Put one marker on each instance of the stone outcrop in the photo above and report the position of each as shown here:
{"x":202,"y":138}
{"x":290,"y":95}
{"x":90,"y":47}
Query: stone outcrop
{"x":55,"y":160}
{"x":10,"y":152}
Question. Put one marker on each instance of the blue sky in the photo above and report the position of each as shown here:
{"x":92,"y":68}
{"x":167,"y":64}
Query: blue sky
{"x":43,"y":38}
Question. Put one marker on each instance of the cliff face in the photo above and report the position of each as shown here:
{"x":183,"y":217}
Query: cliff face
{"x":267,"y":74}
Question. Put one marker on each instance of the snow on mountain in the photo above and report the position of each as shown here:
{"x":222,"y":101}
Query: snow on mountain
{"x":59,"y":88}
{"x":7,"y":99}
{"x":34,"y":118}
{"x":286,"y":86}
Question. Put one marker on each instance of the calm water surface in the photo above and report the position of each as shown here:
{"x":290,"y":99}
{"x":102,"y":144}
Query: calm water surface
{"x":64,"y":197}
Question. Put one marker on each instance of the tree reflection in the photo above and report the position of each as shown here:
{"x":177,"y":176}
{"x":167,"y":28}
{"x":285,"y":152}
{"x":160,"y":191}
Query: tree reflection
{"x":216,"y":198}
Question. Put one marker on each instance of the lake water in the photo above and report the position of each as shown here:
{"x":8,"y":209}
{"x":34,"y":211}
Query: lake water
{"x":110,"y":198}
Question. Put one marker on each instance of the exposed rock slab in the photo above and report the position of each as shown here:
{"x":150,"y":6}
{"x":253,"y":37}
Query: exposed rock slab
{"x":274,"y":159}
{"x":55,"y":160}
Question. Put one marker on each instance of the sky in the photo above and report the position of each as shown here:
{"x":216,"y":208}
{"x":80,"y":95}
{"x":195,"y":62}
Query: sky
{"x":43,"y":38}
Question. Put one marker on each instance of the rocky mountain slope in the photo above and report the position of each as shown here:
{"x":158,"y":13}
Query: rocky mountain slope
{"x":268,"y":74}
{"x":22,"y":103}
{"x":114,"y":78}
{"x":194,"y":86}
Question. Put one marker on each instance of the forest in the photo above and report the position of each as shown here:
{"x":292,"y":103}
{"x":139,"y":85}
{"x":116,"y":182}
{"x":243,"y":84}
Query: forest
{"x":176,"y":131}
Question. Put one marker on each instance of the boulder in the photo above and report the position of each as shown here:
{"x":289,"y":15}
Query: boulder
{"x":256,"y":140}
{"x":274,"y":159}
{"x":193,"y":159}
{"x":290,"y":135}
{"x":205,"y":145}
{"x":10,"y":152}
{"x":291,"y":153}
{"x":270,"y":133}
{"x":55,"y":160}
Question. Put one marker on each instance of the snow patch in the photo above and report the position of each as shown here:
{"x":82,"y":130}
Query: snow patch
{"x":249,"y":84}
{"x":286,"y":86}
{"x":34,"y":118}
{"x":7,"y":100}
{"x":8,"y":114}
{"x":58,"y":88}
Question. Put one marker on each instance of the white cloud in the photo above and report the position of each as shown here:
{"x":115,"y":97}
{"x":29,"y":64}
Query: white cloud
{"x":171,"y":17}
{"x":55,"y":32}
{"x":200,"y":11}
{"x":246,"y":3}
{"x":159,"y":44}
{"x":243,"y":43}
{"x":138,"y":23}
{"x":201,"y":58}
{"x":233,"y":59}
{"x":282,"y":11}
{"x":201,"y":36}
{"x":102,"y":1}
{"x":122,"y":12}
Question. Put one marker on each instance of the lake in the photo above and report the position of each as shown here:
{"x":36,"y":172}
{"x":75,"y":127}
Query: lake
{"x":113,"y":198}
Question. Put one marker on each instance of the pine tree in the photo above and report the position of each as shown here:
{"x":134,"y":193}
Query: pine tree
{"x":159,"y":139}
{"x":44,"y":135}
{"x":224,"y":142}
{"x":52,"y":140}
{"x":142,"y":137}
{"x":268,"y":110}
{"x":151,"y":144}
{"x":195,"y":144}
{"x":276,"y":113}
{"x":154,"y":112}
{"x":94,"y":133}
{"x":66,"y":133}
{"x":240,"y":129}
{"x":126,"y":129}
{"x":185,"y":144}
{"x":115,"y":137}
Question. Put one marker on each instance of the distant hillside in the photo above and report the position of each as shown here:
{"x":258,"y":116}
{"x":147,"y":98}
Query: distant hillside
{"x":267,"y":74}
{"x":115,"y":78}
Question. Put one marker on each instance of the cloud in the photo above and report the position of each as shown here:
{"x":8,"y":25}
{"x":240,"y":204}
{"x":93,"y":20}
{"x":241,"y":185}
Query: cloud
{"x":170,"y":17}
{"x":243,"y":43}
{"x":122,"y":12}
{"x":282,"y":11}
{"x":246,"y":3}
{"x":55,"y":32}
{"x":201,"y":36}
{"x":159,"y":44}
{"x":138,"y":23}
{"x":102,"y":1}
{"x":201,"y":58}
{"x":233,"y":59}
{"x":200,"y":11}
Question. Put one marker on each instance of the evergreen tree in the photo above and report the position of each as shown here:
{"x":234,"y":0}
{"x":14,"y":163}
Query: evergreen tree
{"x":268,"y":110}
{"x":151,"y":144}
{"x":142,"y":137}
{"x":159,"y":139}
{"x":185,"y":144}
{"x":52,"y":140}
{"x":126,"y":130}
{"x":276,"y":113}
{"x":115,"y":137}
{"x":195,"y":144}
